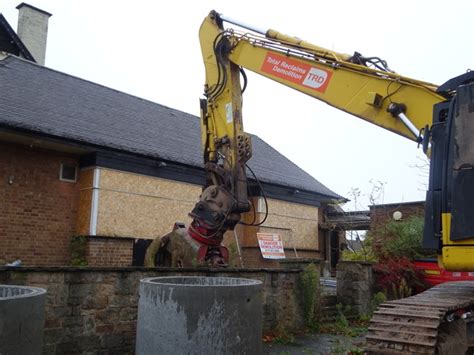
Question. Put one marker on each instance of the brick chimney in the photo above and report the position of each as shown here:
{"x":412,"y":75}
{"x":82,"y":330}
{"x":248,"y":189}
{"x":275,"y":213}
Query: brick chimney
{"x":33,"y":30}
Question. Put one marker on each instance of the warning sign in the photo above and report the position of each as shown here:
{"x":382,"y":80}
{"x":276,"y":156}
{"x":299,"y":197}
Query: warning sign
{"x":271,"y":245}
{"x":296,"y":71}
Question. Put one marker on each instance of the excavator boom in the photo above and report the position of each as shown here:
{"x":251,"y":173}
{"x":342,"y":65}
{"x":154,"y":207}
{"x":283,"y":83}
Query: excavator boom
{"x":439,"y":118}
{"x":363,"y":87}
{"x":328,"y":76}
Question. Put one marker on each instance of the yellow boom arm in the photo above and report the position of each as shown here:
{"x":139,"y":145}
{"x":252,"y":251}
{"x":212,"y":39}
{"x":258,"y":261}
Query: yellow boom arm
{"x":323,"y":74}
{"x":363,"y":87}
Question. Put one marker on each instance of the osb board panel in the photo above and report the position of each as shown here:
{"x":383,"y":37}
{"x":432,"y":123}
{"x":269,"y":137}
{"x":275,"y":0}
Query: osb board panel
{"x":84,"y":212}
{"x":229,"y":237}
{"x":139,"y":206}
{"x":298,"y":225}
{"x":86,"y":178}
{"x":146,"y":207}
{"x":233,"y":248}
{"x":295,"y":233}
{"x":286,"y":234}
{"x":85,"y":183}
{"x":248,"y":235}
{"x":293,"y":209}
{"x":129,"y":215}
{"x":149,"y":186}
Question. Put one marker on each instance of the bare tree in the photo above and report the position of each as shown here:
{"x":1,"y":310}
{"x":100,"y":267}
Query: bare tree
{"x":423,"y":167}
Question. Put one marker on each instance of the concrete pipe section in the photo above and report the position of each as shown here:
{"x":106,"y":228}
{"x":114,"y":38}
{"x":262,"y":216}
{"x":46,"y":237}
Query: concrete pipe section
{"x":199,"y":315}
{"x":21,"y":319}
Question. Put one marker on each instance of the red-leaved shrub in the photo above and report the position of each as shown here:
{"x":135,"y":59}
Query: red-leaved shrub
{"x":398,"y":277}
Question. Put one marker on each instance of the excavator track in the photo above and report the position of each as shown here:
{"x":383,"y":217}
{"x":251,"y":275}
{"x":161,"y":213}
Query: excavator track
{"x":437,"y":321}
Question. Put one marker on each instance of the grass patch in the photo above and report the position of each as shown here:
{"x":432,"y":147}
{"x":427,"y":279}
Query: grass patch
{"x":342,"y":325}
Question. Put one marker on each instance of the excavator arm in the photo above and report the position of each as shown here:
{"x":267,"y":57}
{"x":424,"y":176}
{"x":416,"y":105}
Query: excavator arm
{"x":363,"y":87}
{"x":442,"y":118}
{"x":340,"y":80}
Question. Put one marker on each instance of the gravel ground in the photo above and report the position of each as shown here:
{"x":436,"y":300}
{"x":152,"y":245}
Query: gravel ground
{"x":315,"y":344}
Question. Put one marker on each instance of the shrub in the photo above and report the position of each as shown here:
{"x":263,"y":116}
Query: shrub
{"x":366,"y":253}
{"x":78,"y":249}
{"x":398,"y":277}
{"x":310,"y":287}
{"x":401,"y":239}
{"x":393,"y":246}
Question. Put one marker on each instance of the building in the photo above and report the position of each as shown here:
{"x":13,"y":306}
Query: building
{"x":81,"y":159}
{"x":381,"y":214}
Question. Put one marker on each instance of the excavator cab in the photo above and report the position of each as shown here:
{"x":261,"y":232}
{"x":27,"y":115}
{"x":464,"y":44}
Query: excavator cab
{"x":449,"y":217}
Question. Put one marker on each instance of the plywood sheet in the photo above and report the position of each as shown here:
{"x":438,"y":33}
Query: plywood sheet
{"x":132,"y":205}
{"x":298,"y":225}
{"x":85,"y":201}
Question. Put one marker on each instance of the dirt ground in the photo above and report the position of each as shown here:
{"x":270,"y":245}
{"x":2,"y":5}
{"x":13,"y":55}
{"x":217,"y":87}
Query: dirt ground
{"x":317,"y":344}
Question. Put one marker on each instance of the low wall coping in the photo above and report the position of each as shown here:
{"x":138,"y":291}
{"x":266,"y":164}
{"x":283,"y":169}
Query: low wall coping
{"x":365,"y":263}
{"x":300,"y":260}
{"x":141,"y":269}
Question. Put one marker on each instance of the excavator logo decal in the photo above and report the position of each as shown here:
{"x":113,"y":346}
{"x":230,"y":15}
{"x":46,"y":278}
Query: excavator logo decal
{"x":296,"y":72}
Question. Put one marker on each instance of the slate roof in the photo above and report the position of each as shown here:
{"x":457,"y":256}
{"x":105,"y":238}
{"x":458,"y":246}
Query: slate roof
{"x":45,"y":101}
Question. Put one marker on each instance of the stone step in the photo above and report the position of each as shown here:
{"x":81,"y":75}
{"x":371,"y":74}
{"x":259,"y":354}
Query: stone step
{"x":328,"y":300}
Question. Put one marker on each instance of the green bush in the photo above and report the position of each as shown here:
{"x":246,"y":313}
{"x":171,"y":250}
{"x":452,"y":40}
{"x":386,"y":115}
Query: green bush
{"x":394,"y":246}
{"x":395,"y":239}
{"x":78,"y":249}
{"x":310,"y":287}
{"x":402,"y":239}
{"x":366,"y":253}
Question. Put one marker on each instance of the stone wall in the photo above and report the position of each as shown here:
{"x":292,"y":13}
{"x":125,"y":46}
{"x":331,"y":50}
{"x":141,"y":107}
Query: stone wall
{"x":252,"y":257}
{"x":94,"y":310}
{"x":355,"y":285}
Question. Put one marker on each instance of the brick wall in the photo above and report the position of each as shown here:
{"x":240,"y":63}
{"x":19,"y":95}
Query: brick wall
{"x":381,"y":214}
{"x":94,"y":311}
{"x":37,"y":210}
{"x":40,"y":213}
{"x":115,"y":252}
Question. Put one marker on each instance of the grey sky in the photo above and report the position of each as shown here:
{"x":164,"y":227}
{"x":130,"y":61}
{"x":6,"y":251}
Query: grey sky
{"x":150,"y":49}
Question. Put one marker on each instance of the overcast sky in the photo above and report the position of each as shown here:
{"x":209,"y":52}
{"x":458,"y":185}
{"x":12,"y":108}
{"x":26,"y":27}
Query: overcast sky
{"x":150,"y":49}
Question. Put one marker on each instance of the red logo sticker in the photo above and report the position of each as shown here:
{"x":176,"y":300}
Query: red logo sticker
{"x":297,"y":72}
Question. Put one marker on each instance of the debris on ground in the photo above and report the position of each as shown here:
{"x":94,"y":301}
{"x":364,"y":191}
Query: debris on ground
{"x":320,"y":344}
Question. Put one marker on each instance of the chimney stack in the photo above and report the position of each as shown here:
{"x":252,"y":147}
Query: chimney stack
{"x":33,"y":30}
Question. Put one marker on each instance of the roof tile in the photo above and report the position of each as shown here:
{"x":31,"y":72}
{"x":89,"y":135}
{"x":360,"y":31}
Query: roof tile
{"x":46,"y":101}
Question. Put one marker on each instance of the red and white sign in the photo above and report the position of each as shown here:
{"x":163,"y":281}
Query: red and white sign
{"x":296,"y":71}
{"x":271,"y":245}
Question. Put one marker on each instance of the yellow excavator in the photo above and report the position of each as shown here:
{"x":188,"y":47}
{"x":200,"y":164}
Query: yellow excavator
{"x":439,"y":118}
